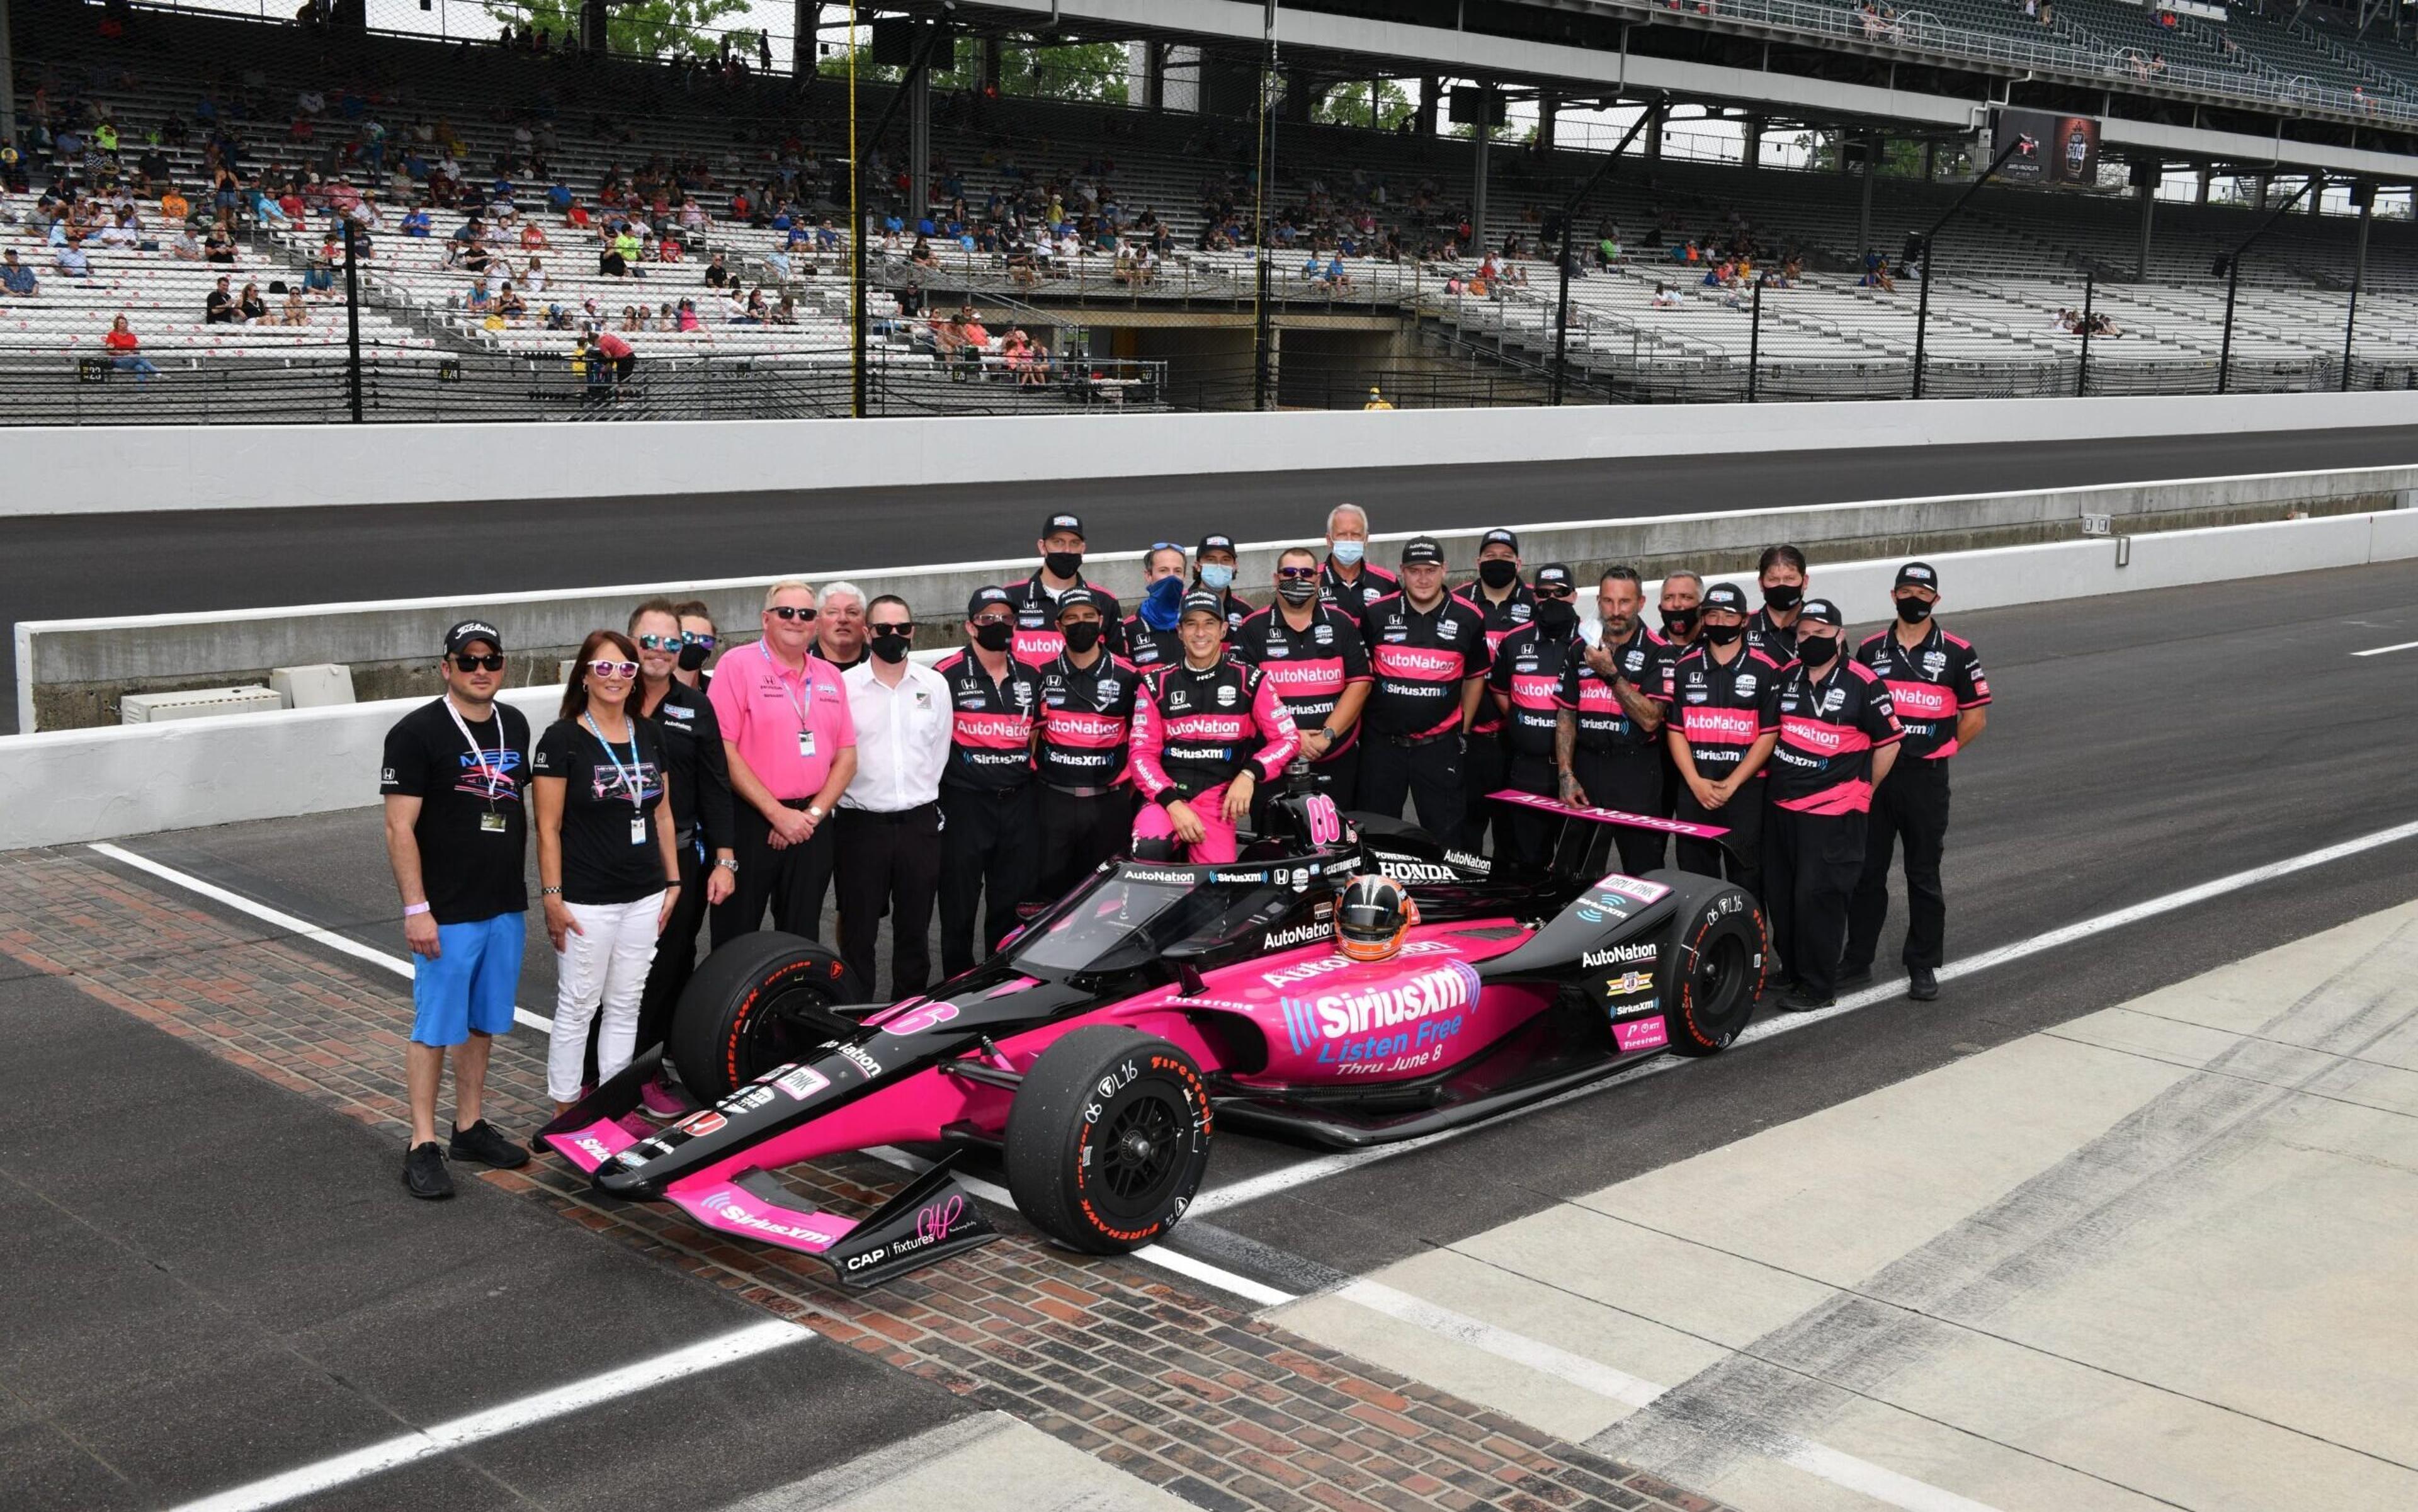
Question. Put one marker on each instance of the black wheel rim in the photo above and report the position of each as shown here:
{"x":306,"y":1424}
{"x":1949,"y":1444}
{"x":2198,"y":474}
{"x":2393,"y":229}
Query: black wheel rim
{"x":1139,"y":1154}
{"x":1723,"y":982}
{"x":776,"y":1035}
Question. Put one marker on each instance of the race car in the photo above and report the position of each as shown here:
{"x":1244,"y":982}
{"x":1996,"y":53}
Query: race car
{"x":1093,"y":1055}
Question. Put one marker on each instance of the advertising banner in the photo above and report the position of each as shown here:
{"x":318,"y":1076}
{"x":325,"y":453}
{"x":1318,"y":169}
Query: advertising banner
{"x":2055,"y":149}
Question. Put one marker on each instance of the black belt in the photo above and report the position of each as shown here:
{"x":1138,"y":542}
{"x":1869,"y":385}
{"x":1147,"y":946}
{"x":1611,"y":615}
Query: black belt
{"x":892,"y":815}
{"x":971,"y":792}
{"x":1081,"y":792}
{"x":1413,"y":739}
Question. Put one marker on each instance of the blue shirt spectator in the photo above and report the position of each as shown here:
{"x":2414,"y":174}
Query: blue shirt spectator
{"x":16,"y":277}
{"x":558,"y":197}
{"x":416,"y":223}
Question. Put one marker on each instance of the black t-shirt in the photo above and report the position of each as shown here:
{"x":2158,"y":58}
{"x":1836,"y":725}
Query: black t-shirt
{"x":601,"y":862}
{"x":470,"y":870}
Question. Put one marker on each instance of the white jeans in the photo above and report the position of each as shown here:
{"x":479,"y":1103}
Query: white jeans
{"x":603,"y":966}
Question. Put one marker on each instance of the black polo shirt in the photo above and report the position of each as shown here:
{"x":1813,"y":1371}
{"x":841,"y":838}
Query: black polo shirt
{"x":1417,"y":661}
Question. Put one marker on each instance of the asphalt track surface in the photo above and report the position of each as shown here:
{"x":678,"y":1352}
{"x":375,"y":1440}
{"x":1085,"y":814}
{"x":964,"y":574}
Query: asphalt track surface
{"x":2138,"y":744}
{"x":57,"y":567}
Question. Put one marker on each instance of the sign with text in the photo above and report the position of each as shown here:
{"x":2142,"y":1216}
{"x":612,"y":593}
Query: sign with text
{"x":2053,"y":149}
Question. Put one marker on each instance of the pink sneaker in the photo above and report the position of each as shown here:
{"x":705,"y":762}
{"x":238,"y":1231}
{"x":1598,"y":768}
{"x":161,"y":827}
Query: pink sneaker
{"x":656,"y":1096}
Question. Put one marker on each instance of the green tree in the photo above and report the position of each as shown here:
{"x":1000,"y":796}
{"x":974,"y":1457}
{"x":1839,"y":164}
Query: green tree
{"x":1347,"y":104}
{"x":638,"y":28}
{"x":1901,"y":157}
{"x":1089,"y":71}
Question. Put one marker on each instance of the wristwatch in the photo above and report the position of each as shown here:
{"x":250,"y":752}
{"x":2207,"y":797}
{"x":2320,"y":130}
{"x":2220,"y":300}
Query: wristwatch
{"x":815,"y":811}
{"x":728,"y":863}
{"x":1330,"y":734}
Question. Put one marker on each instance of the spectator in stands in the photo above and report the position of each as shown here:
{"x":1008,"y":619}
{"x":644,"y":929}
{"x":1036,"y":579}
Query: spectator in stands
{"x":319,"y":278}
{"x":219,"y":246}
{"x":122,"y":231}
{"x":123,"y":343}
{"x":416,"y":221}
{"x":510,"y":305}
{"x":685,"y":317}
{"x":297,"y":313}
{"x":533,"y":238}
{"x":70,"y":260}
{"x":252,"y":309}
{"x":533,"y":277}
{"x":16,"y":278}
{"x":173,"y":206}
{"x":218,"y":306}
{"x":786,"y":312}
{"x":974,"y":337}
{"x":480,"y":298}
{"x":717,"y":273}
{"x":670,"y":250}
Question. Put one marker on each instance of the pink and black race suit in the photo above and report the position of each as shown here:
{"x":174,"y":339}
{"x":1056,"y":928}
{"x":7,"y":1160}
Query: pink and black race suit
{"x":1310,"y":666}
{"x":1090,"y":717}
{"x":991,"y":736}
{"x":1499,"y":619}
{"x":1194,"y":729}
{"x":1930,"y":684}
{"x":1417,"y":661}
{"x":1352,"y":595}
{"x":1722,"y":707}
{"x":1146,"y":647}
{"x":1037,"y":641}
{"x":1603,"y":725}
{"x":1830,"y":727}
{"x":1530,"y":668}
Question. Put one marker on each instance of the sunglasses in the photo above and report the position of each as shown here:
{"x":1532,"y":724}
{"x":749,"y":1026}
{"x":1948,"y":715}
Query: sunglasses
{"x":1555,"y":591}
{"x":694,"y":639}
{"x":1296,"y":573}
{"x":995,"y":619}
{"x":467,"y":662}
{"x":784,"y":612}
{"x":661,"y":643}
{"x":613,"y":669}
{"x":1168,"y":545}
{"x":886,"y":632}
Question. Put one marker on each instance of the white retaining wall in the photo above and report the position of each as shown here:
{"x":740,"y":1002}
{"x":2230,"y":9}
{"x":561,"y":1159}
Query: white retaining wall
{"x":116,"y":469}
{"x":77,"y":785}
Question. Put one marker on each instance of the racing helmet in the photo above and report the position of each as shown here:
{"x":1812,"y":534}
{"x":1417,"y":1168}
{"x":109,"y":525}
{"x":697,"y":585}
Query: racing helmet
{"x":1373,"y":915}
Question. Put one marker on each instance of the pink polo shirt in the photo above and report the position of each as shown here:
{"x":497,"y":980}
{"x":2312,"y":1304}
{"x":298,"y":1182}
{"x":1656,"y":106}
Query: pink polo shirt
{"x":759,"y":704}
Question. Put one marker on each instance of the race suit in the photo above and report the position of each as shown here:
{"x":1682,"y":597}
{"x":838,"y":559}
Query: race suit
{"x":1193,"y":730}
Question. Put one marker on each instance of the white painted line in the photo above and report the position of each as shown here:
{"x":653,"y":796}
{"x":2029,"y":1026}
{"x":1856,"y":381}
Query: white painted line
{"x":400,"y":966}
{"x":1270,"y":1183}
{"x":562,"y":1401}
{"x":2379,"y":650}
{"x":1879,"y":1482}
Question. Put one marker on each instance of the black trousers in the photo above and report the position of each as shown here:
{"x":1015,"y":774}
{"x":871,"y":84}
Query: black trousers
{"x":675,"y":953}
{"x":1911,"y":807}
{"x":793,"y":880}
{"x":1483,"y":768}
{"x":1810,"y":862}
{"x":887,"y":863}
{"x":1079,"y":834}
{"x":991,"y":846}
{"x":1523,"y":835}
{"x":1631,"y":782}
{"x":1393,"y":775}
{"x":1737,"y":857}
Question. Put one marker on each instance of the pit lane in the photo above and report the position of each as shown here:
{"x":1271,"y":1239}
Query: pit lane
{"x":2138,"y":744}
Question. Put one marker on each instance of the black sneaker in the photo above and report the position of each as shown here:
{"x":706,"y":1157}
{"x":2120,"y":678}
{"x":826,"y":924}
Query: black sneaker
{"x":1921,"y":984}
{"x":424,"y":1173}
{"x":481,"y":1143}
{"x":1801,"y":1001}
{"x":1856,"y":976}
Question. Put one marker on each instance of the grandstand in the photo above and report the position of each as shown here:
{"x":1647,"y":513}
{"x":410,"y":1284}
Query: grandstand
{"x":1111,"y":248}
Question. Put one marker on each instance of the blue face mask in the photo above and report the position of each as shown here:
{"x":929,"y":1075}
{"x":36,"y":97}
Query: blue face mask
{"x":1217,"y":576}
{"x":1160,"y":603}
{"x":1348,"y":552}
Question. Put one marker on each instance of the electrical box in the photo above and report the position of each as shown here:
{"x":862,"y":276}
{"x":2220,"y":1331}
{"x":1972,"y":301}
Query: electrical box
{"x":196,"y":703}
{"x":313,"y":687}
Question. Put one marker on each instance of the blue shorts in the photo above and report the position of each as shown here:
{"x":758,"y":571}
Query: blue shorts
{"x":470,"y":983}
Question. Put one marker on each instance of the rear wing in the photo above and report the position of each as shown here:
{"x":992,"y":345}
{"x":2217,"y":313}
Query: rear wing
{"x":1584,"y":849}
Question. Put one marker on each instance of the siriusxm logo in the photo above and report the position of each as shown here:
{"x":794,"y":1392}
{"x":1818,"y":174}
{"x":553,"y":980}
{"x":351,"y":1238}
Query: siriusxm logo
{"x":1437,"y":990}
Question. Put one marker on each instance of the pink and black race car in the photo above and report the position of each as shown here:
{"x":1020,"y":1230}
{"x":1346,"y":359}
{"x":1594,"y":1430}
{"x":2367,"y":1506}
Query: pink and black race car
{"x":1093,"y":1056}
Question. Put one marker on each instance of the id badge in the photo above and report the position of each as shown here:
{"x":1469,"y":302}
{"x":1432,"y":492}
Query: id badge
{"x":806,"y":745}
{"x":638,"y":832}
{"x":491,"y":822}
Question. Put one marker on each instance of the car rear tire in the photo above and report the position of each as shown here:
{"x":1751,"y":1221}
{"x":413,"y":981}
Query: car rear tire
{"x":1107,"y":1140}
{"x":736,"y":1020}
{"x":1720,"y":959}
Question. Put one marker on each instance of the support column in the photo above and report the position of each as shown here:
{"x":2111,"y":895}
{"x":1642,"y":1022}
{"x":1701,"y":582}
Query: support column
{"x":992,"y":63}
{"x":805,"y":28}
{"x":1548,"y":105}
{"x":1429,"y":88}
{"x":1655,"y":119}
{"x":2200,"y":198}
{"x":2317,"y":193}
{"x":7,"y":81}
{"x":1485,"y":136}
{"x":1754,"y":125}
{"x":919,"y":147}
{"x":1864,"y":200}
{"x":2148,"y":190}
{"x":1930,"y":161}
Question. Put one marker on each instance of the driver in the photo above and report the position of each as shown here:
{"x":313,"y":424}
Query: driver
{"x":1206,"y":731}
{"x":1373,"y":915}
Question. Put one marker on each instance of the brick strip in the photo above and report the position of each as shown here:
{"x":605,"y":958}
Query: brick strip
{"x":1219,"y":1407}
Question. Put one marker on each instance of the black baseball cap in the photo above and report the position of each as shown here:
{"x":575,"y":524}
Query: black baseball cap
{"x":1918,"y":575}
{"x":1210,"y":543}
{"x":1823,"y":611}
{"x":1556,"y":573}
{"x":984,"y":598}
{"x":1083,"y":596}
{"x":1419,"y":549}
{"x":1072,"y":523}
{"x":1500,"y":538}
{"x":469,"y":630}
{"x":1723,"y":596}
{"x":1197,"y":602}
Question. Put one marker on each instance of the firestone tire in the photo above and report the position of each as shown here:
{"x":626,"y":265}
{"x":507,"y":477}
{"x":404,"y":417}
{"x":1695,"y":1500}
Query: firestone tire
{"x":1716,"y":970}
{"x":1107,"y":1140}
{"x":728,"y":1029}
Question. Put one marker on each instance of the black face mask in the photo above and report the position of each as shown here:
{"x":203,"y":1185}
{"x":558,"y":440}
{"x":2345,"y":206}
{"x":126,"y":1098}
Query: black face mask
{"x":1062,"y":563}
{"x":1558,"y":616}
{"x":1913,"y":611}
{"x":1297,"y":590}
{"x":1082,"y":635}
{"x":995,"y":636}
{"x":888,"y":647}
{"x":1817,"y":650}
{"x":692,"y":656}
{"x":1497,"y":573}
{"x":1678,"y":622}
{"x":1783,"y":597}
{"x":1722,"y":635}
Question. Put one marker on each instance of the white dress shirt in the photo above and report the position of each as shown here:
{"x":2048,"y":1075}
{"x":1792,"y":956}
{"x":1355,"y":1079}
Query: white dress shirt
{"x":902,"y":738}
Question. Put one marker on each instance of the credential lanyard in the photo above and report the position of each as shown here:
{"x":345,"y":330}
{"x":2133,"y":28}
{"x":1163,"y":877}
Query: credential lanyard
{"x":629,"y":774}
{"x":493,"y":771}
